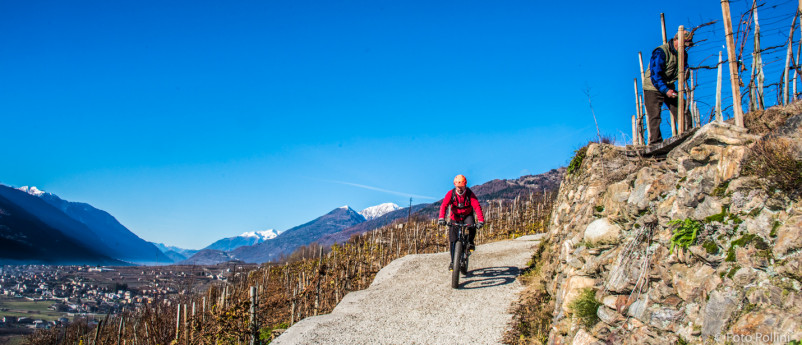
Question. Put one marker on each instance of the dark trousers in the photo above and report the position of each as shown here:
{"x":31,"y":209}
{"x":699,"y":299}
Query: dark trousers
{"x":453,"y":233}
{"x":653,"y":100}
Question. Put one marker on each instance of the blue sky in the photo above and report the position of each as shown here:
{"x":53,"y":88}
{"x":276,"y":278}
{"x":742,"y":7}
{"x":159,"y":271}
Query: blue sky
{"x":195,"y":120}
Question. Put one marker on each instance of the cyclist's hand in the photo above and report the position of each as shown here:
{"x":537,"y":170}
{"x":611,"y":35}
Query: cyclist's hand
{"x":441,"y":221}
{"x":480,"y":225}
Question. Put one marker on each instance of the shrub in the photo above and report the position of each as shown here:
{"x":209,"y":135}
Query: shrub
{"x":774,"y":160}
{"x":685,"y":233}
{"x":576,"y":162}
{"x":585,"y":307}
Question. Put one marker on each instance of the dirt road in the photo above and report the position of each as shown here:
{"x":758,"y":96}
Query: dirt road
{"x":411,"y":302}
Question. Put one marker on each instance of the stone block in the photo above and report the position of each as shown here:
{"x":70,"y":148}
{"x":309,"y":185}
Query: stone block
{"x":572,"y":287}
{"x":602,"y":231}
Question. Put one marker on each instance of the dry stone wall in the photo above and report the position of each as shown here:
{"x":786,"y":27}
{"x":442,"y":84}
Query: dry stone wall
{"x":612,"y":226}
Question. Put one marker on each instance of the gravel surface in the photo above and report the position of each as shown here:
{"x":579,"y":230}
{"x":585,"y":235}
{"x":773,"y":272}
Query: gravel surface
{"x":411,"y":302}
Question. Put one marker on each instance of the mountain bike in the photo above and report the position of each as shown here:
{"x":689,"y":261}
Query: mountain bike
{"x":461,"y":253}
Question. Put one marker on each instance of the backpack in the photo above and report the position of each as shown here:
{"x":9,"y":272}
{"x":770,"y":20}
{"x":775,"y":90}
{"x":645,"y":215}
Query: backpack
{"x":468,"y":194}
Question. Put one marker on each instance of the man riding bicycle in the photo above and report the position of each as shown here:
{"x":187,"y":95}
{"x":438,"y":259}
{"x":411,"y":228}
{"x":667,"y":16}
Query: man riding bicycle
{"x":465,"y":209}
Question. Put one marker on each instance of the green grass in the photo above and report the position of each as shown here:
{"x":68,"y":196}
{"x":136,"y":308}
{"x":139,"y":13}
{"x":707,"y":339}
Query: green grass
{"x":710,"y":247}
{"x":265,"y":333}
{"x":762,"y":247}
{"x":18,"y":307}
{"x":774,"y":228}
{"x":732,"y":271}
{"x":720,"y":190}
{"x":585,"y":307}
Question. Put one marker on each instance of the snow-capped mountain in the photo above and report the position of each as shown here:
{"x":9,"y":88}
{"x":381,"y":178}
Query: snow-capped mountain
{"x":302,"y":235}
{"x":246,"y":239}
{"x":377,"y":211}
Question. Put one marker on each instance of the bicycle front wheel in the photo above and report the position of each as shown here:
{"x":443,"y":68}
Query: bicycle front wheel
{"x":457,"y":264}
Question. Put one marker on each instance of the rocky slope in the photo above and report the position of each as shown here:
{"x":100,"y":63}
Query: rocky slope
{"x":611,"y":232}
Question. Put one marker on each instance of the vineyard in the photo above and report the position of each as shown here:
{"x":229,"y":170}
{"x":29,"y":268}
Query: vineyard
{"x":254,"y":306}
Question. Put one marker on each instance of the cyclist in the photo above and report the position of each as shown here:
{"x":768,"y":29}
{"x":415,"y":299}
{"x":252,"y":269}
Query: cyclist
{"x":465,"y":209}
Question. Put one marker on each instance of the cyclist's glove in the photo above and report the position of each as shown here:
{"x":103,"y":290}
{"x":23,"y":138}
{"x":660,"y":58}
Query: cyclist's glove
{"x":480,"y":225}
{"x":441,"y":221}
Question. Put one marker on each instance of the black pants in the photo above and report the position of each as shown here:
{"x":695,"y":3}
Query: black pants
{"x":453,"y":233}
{"x":654,"y":102}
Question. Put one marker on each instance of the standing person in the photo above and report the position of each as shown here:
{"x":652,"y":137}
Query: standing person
{"x":465,"y":209}
{"x":658,"y":85}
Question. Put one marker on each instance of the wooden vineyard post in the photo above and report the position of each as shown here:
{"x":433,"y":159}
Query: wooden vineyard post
{"x":734,"y":80}
{"x":636,"y":133}
{"x":757,"y":64}
{"x":681,"y":82}
{"x":186,"y":333}
{"x":719,"y":117}
{"x":789,"y":54}
{"x":254,"y":327}
{"x":635,"y":130}
{"x":177,"y":321}
{"x":97,"y":331}
{"x":192,"y":322}
{"x":642,"y":102}
{"x":663,"y":26}
{"x":319,"y":278}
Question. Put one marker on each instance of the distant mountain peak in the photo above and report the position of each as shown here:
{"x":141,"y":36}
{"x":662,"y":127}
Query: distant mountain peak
{"x":346,"y":207}
{"x":265,"y":234}
{"x":377,"y":211}
{"x":245,"y":239}
{"x":32,"y":190}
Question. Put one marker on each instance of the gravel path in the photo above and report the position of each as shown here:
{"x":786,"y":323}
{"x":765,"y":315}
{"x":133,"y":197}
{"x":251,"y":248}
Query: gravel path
{"x":411,"y":302}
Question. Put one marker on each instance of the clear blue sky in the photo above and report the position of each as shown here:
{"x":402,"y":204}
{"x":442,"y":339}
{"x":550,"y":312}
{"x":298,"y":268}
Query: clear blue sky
{"x":190,"y":121}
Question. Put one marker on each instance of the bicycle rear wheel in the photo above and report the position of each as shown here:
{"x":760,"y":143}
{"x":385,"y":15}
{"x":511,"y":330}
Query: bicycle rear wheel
{"x":457,"y":264}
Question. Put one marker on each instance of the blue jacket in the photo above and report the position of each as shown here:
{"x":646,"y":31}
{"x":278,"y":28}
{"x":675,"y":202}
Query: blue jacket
{"x":657,"y":65}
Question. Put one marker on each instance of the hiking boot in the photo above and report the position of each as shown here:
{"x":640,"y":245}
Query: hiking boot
{"x":471,"y":247}
{"x":450,"y":266}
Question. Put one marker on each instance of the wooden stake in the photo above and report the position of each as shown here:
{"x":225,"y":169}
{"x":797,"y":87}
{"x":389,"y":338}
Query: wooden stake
{"x":636,"y":133}
{"x":120,"y":330}
{"x":757,"y":63}
{"x":734,"y":80}
{"x":719,"y":117}
{"x":643,"y":101}
{"x":663,"y":26}
{"x":177,"y":322}
{"x":691,"y":88}
{"x":100,"y":323}
{"x":788,"y":56}
{"x":253,"y":326}
{"x":681,"y":82}
{"x":634,"y":130}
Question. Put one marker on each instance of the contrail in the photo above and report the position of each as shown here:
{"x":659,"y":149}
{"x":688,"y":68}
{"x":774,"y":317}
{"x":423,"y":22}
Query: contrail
{"x":385,"y":190}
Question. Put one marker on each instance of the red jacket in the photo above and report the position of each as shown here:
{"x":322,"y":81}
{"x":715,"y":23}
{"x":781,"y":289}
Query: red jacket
{"x":462,"y":212}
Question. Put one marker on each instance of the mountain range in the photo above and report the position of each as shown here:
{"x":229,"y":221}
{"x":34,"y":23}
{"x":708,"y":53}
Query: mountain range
{"x":33,"y":231}
{"x":246,"y":239}
{"x":52,"y":230}
{"x":285,"y":243}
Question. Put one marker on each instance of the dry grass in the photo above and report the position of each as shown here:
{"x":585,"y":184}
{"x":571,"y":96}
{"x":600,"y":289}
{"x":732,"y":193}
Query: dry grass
{"x":532,"y":316}
{"x":762,"y":122}
{"x":774,"y":160}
